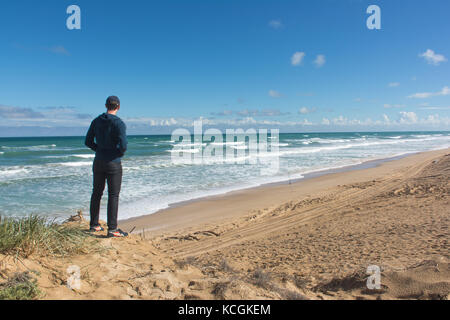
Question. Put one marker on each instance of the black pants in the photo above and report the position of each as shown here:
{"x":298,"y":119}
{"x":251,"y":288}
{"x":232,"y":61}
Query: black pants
{"x":112,"y":173}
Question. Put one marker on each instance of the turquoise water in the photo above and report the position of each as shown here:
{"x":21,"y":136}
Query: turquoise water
{"x":52,"y":176}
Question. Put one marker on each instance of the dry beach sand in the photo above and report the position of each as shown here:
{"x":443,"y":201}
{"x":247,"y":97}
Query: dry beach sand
{"x":312,"y":239}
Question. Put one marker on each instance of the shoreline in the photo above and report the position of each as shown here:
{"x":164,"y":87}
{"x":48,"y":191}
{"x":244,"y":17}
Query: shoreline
{"x":365,"y":164}
{"x":171,"y":218}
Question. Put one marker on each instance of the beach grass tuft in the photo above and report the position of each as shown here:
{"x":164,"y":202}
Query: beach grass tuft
{"x":21,"y":286}
{"x":38,"y":235}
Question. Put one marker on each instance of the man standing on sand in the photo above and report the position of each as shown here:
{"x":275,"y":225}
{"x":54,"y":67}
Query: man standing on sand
{"x":110,"y":145}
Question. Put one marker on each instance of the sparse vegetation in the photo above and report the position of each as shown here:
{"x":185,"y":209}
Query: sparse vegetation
{"x":183,"y":263}
{"x":299,"y":282}
{"x":20,"y":287}
{"x":33,"y":234}
{"x":219,"y":290}
{"x":356,"y":280}
{"x":289,"y":294}
{"x":224,"y":266}
{"x":262,"y":279}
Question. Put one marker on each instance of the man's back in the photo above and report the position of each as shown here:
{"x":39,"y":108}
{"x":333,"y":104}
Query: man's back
{"x":109,"y":132}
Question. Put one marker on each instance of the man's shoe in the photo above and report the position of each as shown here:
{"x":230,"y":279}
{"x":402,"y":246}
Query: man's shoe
{"x":117,"y":233}
{"x":96,"y":229}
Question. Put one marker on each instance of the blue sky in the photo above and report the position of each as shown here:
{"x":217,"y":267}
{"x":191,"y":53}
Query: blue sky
{"x":294,"y":65}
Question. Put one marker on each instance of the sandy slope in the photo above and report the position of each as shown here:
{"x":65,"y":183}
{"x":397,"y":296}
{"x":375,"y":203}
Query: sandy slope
{"x":313,"y":239}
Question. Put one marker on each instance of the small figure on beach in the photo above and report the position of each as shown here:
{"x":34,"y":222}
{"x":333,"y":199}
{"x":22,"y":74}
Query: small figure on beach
{"x":107,"y":137}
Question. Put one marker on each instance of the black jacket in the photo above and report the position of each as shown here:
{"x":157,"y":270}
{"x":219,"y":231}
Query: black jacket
{"x":110,"y":136}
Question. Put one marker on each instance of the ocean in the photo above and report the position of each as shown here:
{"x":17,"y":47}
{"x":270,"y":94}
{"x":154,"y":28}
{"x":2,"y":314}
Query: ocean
{"x":52,"y":176}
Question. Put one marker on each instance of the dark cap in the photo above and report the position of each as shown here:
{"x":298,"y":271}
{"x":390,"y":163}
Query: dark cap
{"x":113,"y":101}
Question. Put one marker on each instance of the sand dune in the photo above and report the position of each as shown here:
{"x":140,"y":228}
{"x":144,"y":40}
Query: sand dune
{"x":313,"y":239}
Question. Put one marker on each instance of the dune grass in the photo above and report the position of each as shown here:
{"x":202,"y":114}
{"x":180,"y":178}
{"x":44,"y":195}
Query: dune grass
{"x":21,"y":286}
{"x":38,"y":235}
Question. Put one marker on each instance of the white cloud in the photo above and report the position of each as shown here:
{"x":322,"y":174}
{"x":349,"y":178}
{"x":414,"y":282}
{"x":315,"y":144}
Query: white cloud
{"x":320,"y":60}
{"x":8,"y":112}
{"x":422,"y":95}
{"x":393,"y":84}
{"x":43,"y":116}
{"x":297,"y":58}
{"x":408,"y":117}
{"x":274,"y":94}
{"x":341,"y":120}
{"x":306,"y":110}
{"x":275,"y":24}
{"x":57,"y":117}
{"x":433,"y":58}
{"x":433,"y":119}
{"x":157,"y":122}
